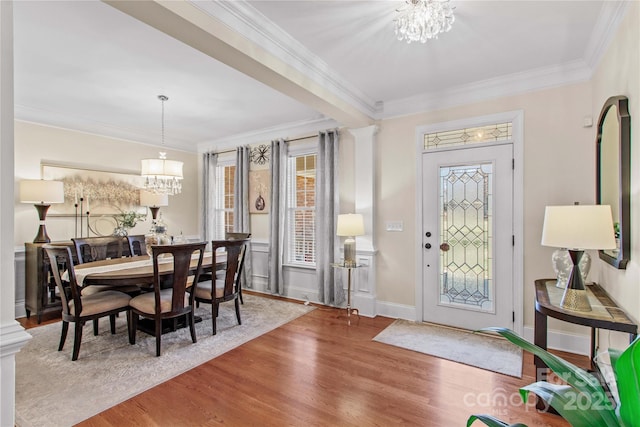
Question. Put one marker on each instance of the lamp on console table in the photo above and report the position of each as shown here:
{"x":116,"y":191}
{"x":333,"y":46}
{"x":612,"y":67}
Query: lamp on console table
{"x":153,"y":201}
{"x":350,"y":225}
{"x":42,"y":194}
{"x":578,"y":227}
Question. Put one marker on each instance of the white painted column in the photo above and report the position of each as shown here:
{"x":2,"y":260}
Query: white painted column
{"x":364,"y":279}
{"x":12,"y":335}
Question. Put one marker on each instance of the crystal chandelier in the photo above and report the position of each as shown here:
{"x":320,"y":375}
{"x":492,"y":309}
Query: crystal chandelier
{"x":162,"y":176}
{"x":421,"y":20}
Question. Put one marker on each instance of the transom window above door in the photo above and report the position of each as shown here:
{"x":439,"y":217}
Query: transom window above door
{"x":468,"y":136}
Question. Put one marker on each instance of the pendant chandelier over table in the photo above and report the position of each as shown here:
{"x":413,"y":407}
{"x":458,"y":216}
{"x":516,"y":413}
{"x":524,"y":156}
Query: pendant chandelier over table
{"x":162,"y":176}
{"x":421,"y":20}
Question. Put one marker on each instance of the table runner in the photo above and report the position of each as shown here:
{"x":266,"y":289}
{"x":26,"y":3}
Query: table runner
{"x":82,"y":272}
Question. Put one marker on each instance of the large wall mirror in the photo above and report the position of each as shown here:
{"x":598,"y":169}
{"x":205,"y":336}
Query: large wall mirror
{"x":613,"y":147}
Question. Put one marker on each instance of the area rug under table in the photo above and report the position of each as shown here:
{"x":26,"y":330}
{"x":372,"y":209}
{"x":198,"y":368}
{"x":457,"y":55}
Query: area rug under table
{"x":51,"y":390}
{"x":479,"y":350}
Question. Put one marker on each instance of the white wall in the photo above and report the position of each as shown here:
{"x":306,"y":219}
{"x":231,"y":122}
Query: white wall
{"x":619,"y":74}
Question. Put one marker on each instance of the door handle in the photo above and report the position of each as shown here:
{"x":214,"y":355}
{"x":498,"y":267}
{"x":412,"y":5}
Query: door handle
{"x":445,"y":247}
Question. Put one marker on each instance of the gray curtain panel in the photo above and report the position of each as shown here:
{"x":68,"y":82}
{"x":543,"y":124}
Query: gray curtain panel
{"x":209,"y":164}
{"x":326,"y":213}
{"x":242,"y":224}
{"x":278,"y":211}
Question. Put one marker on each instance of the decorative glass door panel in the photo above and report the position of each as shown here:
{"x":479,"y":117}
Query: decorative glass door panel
{"x":466,"y":232}
{"x":467,"y":262}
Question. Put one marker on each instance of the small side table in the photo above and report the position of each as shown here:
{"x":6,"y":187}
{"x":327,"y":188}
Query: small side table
{"x":350,"y":310}
{"x":606,"y":314}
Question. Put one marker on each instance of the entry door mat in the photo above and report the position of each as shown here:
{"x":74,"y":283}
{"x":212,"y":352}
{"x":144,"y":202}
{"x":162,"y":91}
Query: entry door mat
{"x":474,"y":349}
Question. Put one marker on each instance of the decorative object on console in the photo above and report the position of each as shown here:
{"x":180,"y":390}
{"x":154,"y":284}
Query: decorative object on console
{"x":349,"y":226}
{"x":157,"y":235}
{"x":421,"y":20}
{"x":562,"y":265}
{"x":126,"y":221}
{"x":42,"y":194}
{"x":153,"y":201}
{"x":578,"y":227}
{"x":161,"y":175}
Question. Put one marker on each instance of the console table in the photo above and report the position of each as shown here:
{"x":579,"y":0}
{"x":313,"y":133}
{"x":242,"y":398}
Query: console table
{"x":40,"y":289}
{"x":606,"y":314}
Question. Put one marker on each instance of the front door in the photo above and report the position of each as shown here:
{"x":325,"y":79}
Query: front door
{"x":467,"y":237}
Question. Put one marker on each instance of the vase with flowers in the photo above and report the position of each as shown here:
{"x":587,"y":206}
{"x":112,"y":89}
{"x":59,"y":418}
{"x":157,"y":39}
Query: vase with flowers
{"x":126,"y":221}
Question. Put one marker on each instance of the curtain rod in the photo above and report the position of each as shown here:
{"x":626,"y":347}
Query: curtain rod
{"x":287,"y":140}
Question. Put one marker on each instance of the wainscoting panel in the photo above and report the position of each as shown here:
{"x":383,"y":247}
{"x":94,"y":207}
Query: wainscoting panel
{"x":19,"y":282}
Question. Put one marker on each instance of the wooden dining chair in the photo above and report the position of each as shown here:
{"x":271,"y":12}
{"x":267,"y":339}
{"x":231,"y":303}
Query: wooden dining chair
{"x":237,"y":236}
{"x":170,"y":302}
{"x":78,"y":308}
{"x":137,"y":245}
{"x":227,"y":288}
{"x":98,"y":248}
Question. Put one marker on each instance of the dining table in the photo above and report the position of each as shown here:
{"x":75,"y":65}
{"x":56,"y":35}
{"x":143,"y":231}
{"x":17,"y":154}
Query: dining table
{"x":137,"y":270}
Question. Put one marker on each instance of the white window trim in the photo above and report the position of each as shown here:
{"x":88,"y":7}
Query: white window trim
{"x":297,"y":150}
{"x":223,"y":161}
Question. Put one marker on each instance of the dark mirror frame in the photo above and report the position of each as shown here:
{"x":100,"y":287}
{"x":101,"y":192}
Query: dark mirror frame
{"x":624,"y":177}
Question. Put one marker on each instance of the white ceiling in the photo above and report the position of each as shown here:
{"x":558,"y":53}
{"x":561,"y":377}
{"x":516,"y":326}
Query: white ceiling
{"x":88,"y":66}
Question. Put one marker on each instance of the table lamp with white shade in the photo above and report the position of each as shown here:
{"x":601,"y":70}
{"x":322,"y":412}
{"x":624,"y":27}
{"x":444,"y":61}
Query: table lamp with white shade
{"x":42,"y":194}
{"x":350,"y":226}
{"x":578,"y":227}
{"x":153,"y":201}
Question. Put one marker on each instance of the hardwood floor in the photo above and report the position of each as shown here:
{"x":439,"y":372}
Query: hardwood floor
{"x":317,"y":371}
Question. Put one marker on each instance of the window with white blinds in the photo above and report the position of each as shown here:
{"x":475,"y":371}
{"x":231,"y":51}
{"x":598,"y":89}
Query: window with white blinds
{"x":301,"y":210}
{"x":224,"y":199}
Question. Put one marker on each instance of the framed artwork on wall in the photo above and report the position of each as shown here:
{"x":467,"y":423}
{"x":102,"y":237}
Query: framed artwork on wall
{"x":104,"y":194}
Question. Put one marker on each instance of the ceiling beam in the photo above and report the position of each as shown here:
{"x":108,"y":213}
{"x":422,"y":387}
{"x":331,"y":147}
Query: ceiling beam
{"x":191,"y":25}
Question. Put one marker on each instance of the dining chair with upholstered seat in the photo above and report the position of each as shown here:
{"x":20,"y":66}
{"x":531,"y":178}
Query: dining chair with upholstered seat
{"x":237,"y":236}
{"x":169,"y":302}
{"x":78,"y":308}
{"x":98,"y":248}
{"x":226,"y":288}
{"x":137,"y":245}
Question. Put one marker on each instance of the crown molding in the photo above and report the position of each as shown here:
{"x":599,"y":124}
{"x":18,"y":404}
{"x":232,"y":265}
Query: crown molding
{"x":254,"y":26}
{"x":68,"y":122}
{"x":611,"y":15}
{"x":286,"y":131}
{"x":513,"y":84}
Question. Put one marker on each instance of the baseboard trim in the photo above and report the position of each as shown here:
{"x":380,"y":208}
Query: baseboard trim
{"x":20,"y":310}
{"x":395,"y":311}
{"x":563,"y":341}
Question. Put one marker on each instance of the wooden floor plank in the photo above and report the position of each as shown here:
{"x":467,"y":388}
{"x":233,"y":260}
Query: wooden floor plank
{"x":318,"y":371}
